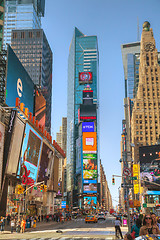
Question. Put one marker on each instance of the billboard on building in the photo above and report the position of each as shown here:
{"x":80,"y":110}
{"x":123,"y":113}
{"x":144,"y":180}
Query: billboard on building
{"x":90,"y":188}
{"x":85,"y":77}
{"x":90,"y":201}
{"x":88,"y":97}
{"x":88,"y":112}
{"x":15,"y":147}
{"x":89,"y":161}
{"x":89,"y":142}
{"x":40,"y":107}
{"x":46,"y":162}
{"x":2,"y":134}
{"x":30,"y":153}
{"x":87,"y":126}
{"x":136,"y":173}
{"x":89,"y":174}
{"x":78,"y":154}
{"x":150,"y":166}
{"x":18,"y":84}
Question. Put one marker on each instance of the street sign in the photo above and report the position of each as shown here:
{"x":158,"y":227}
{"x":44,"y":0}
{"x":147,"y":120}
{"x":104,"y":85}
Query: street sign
{"x":126,"y":186}
{"x":133,"y":178}
{"x":126,"y":172}
{"x":16,"y":199}
{"x":145,"y":205}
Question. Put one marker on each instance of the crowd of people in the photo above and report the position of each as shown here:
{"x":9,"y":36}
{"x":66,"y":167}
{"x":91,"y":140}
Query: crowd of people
{"x":19,"y":224}
{"x":140,"y":225}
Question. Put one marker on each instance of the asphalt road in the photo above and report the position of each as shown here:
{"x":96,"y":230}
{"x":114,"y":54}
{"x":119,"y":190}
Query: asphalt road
{"x":75,"y":229}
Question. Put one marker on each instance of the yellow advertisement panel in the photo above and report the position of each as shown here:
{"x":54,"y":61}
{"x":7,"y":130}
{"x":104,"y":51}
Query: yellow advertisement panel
{"x":136,"y":172}
{"x":89,"y":142}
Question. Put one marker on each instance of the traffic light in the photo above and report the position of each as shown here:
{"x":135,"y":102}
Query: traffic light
{"x":113,"y":181}
{"x":41,"y":187}
{"x":45,"y":188}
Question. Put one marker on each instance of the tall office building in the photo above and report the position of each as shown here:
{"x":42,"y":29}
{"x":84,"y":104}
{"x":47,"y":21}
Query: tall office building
{"x":33,"y":50}
{"x":82,"y":71}
{"x":1,"y":21}
{"x":145,"y":122}
{"x":22,"y":14}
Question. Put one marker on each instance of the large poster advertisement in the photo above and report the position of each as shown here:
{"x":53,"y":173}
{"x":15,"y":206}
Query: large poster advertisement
{"x":2,"y":133}
{"x":90,"y":201}
{"x":40,"y":107}
{"x":31,"y":151}
{"x":89,"y":142}
{"x":45,"y":166}
{"x":78,"y":154}
{"x":18,"y":84}
{"x":150,"y":166}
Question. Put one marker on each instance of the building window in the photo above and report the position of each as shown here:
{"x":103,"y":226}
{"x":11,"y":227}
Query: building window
{"x":14,"y":35}
{"x":22,"y":35}
{"x":30,"y":34}
{"x":137,"y":133}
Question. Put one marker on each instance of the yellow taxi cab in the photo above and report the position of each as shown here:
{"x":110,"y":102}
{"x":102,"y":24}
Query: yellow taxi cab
{"x":90,"y":218}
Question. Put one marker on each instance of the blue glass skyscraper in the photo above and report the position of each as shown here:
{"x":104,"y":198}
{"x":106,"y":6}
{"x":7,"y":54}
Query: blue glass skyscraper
{"x":22,"y":14}
{"x":83,"y":57}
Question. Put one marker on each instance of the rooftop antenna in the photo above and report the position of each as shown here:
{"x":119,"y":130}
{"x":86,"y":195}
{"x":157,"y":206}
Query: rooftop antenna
{"x":138,"y":37}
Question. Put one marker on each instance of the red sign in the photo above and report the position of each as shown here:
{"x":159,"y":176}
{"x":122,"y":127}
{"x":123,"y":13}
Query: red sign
{"x":127,"y":172}
{"x":86,"y":118}
{"x":85,"y":77}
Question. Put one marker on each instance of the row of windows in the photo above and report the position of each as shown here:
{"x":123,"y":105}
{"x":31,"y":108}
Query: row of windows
{"x":141,"y":133}
{"x":26,"y":34}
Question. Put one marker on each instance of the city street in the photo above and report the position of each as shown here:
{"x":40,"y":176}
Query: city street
{"x":75,"y":229}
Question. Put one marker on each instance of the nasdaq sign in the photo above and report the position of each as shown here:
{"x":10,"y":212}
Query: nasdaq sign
{"x":88,"y":127}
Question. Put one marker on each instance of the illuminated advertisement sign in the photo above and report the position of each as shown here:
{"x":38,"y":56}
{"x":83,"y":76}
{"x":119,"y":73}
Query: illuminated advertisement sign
{"x":87,"y":126}
{"x":150,"y":166}
{"x":89,"y":181}
{"x":88,"y":111}
{"x":47,"y":158}
{"x":90,"y":201}
{"x":89,"y":174}
{"x":30,"y":154}
{"x":89,"y":161}
{"x":136,"y":172}
{"x":90,"y":188}
{"x":18,"y":84}
{"x":87,"y":97}
{"x":85,"y":77}
{"x":89,"y":142}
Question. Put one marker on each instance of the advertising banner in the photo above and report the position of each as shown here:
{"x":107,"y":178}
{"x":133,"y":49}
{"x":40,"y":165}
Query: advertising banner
{"x":87,"y":126}
{"x":136,"y":184}
{"x":90,"y":201}
{"x":47,"y":160}
{"x":15,"y":147}
{"x":63,"y":204}
{"x":90,"y":188}
{"x":31,"y":151}
{"x":88,"y":97}
{"x":18,"y":84}
{"x":78,"y":154}
{"x":89,"y":174}
{"x":89,"y":161}
{"x":89,"y":142}
{"x":2,"y":134}
{"x":85,"y":77}
{"x":88,"y":112}
{"x":150,"y":166}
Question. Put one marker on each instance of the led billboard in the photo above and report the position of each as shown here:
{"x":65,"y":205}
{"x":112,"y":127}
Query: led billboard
{"x":150,"y":166}
{"x":89,"y":142}
{"x":18,"y":84}
{"x":89,"y":161}
{"x":40,"y":107}
{"x":87,"y":97}
{"x":15,"y":147}
{"x":89,"y":174}
{"x":88,"y":111}
{"x":90,"y":201}
{"x":47,"y":160}
{"x":85,"y":77}
{"x":31,"y":151}
{"x":90,"y":188}
{"x":87,"y":126}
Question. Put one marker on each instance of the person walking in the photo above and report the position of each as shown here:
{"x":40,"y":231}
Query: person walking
{"x":118,"y":227}
{"x":12,"y":224}
{"x":2,"y":224}
{"x":148,"y":227}
{"x":23,"y":224}
{"x":154,"y":219}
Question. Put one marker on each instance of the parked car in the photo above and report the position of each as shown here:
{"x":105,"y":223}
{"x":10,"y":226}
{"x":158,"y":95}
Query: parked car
{"x":101,"y":216}
{"x":90,"y":218}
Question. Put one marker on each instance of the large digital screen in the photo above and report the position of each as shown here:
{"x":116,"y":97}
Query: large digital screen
{"x":87,"y":97}
{"x":150,"y":166}
{"x":31,"y":151}
{"x":89,"y":161}
{"x":18,"y":84}
{"x":89,"y":142}
{"x":90,"y":201}
{"x":87,"y":126}
{"x":90,"y":188}
{"x":85,"y":77}
{"x":88,"y":111}
{"x":47,"y":160}
{"x":89,"y":174}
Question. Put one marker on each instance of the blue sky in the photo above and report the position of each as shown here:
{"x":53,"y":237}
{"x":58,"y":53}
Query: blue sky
{"x":114,"y":22}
